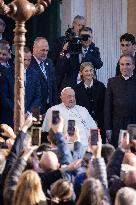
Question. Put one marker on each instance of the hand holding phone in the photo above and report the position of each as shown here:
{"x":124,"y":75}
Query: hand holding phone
{"x":96,"y":143}
{"x":95,"y":133}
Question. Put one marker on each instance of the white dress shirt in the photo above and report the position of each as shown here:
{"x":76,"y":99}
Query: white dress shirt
{"x":91,"y":84}
{"x":83,"y":120}
{"x":126,"y":78}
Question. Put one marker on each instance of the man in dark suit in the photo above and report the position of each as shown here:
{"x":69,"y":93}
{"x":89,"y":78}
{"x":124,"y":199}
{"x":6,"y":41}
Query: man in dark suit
{"x":128,"y":46}
{"x":120,"y":100}
{"x":90,"y":93}
{"x":90,"y":53}
{"x":32,"y":91}
{"x":67,"y":68}
{"x":45,"y":69}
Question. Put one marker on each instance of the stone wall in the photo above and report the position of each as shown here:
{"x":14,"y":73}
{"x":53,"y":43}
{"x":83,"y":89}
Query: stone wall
{"x":132,"y":17}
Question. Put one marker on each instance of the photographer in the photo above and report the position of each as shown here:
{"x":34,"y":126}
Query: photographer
{"x":77,"y":49}
{"x":78,"y":23}
{"x":67,"y":68}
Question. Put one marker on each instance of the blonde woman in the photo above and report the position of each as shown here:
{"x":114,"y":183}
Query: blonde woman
{"x":29,"y":190}
{"x":90,"y":93}
{"x":23,"y":188}
{"x":62,"y":193}
{"x":92,"y":193}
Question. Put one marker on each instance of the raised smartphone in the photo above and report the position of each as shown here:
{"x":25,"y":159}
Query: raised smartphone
{"x":36,"y":135}
{"x":71,"y":127}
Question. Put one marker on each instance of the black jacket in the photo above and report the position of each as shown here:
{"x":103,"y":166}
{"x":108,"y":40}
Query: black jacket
{"x":92,"y":100}
{"x":113,"y":172}
{"x":48,"y":86}
{"x":32,"y":94}
{"x":120,"y":105}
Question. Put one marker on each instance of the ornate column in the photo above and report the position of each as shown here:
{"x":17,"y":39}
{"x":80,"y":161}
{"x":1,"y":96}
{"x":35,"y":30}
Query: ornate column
{"x":65,"y":15}
{"x":132,"y":17}
{"x":20,"y":11}
{"x":88,"y":5}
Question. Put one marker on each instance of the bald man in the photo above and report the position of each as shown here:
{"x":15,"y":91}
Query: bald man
{"x":49,"y":161}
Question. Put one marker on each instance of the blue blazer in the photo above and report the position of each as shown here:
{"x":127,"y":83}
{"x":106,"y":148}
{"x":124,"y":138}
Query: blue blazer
{"x":32,"y":94}
{"x":48,"y":86}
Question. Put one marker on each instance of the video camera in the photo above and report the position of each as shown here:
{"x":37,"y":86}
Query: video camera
{"x":75,"y":45}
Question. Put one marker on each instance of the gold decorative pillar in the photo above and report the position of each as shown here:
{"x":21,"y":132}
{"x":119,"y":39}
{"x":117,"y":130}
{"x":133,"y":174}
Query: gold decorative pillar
{"x":20,"y":11}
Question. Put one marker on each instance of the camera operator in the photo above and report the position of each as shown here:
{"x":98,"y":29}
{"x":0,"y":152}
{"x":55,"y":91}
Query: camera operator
{"x":60,"y":45}
{"x":76,"y":49}
{"x":78,"y":23}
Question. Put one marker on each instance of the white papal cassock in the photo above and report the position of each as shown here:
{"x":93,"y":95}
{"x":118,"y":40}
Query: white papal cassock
{"x":83,"y":120}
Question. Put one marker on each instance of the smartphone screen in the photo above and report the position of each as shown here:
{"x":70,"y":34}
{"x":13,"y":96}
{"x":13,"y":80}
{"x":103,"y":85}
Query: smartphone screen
{"x":94,"y":136}
{"x":122,"y":134}
{"x":71,"y":127}
{"x":36,"y":135}
{"x":55,"y":117}
{"x":36,"y":113}
{"x":132,"y":131}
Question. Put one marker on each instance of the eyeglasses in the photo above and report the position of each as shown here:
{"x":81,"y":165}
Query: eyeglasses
{"x":125,"y":45}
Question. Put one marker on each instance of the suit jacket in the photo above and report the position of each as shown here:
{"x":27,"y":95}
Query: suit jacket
{"x":3,"y":70}
{"x":120,"y":105}
{"x":6,"y":107}
{"x":48,"y":86}
{"x":93,"y":55}
{"x":32,"y":94}
{"x":118,"y":67}
{"x":94,"y":103}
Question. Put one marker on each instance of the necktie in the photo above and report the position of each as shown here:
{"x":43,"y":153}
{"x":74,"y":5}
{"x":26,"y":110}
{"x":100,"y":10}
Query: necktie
{"x":84,"y":51}
{"x":24,"y":77}
{"x":43,"y":69}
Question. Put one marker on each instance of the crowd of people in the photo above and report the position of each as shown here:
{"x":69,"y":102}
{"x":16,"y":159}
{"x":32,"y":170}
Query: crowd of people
{"x":70,"y":166}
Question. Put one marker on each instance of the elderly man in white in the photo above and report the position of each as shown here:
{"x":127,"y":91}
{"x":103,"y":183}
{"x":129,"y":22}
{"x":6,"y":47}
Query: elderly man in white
{"x":70,"y":111}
